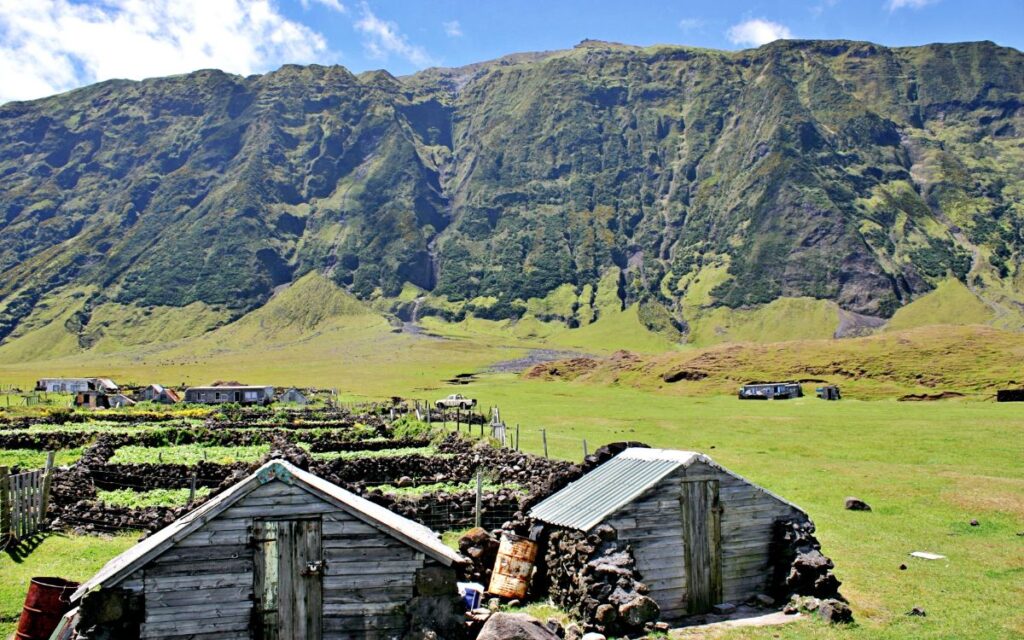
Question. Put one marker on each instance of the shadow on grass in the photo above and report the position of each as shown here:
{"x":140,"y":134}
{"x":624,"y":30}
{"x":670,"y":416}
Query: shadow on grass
{"x":18,"y":550}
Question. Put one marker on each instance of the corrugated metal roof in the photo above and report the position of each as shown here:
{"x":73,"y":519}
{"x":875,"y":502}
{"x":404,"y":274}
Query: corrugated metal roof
{"x":585,"y":503}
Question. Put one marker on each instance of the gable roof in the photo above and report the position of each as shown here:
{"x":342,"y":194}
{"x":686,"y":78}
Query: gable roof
{"x":587,"y":502}
{"x":409,"y":532}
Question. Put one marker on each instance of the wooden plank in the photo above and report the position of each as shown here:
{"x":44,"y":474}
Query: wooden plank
{"x":187,"y":626}
{"x":333,"y":528}
{"x":393,"y":595}
{"x":156,"y":615}
{"x":287,"y":625}
{"x":286,"y":511}
{"x":208,"y":581}
{"x":339,"y":554}
{"x":177,"y":597}
{"x":312,"y":595}
{"x":207,"y":553}
{"x":364,"y":609}
{"x":200,"y":567}
{"x":378,"y":580}
{"x":203,"y":538}
{"x":394,"y":567}
{"x":375,"y":541}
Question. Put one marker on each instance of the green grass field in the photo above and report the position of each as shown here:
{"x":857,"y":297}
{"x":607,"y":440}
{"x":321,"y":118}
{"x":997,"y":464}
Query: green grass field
{"x":927,"y":469}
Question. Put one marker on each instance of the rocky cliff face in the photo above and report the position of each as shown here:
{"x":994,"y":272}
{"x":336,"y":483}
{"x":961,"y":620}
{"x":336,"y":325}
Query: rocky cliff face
{"x":683,"y":179}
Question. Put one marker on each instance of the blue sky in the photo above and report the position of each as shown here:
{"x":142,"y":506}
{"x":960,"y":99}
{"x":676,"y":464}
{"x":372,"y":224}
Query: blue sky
{"x":48,"y":46}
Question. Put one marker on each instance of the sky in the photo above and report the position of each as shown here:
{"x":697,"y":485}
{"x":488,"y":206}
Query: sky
{"x":51,"y":46}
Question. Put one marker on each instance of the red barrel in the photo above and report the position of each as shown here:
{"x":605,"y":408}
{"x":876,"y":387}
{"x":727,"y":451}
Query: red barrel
{"x":46,"y":602}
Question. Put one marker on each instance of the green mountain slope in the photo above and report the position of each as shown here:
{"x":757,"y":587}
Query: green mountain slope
{"x":705,"y":189}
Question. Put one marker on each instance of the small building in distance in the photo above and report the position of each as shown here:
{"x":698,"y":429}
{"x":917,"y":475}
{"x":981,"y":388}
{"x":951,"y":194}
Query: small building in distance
{"x":771,"y":391}
{"x":223,"y":393}
{"x":829,"y":392}
{"x":293,"y":396}
{"x":159,"y":394}
{"x":94,"y":399}
{"x":700,"y":535}
{"x":281,"y":554}
{"x":75,"y":385}
{"x":1010,"y":395}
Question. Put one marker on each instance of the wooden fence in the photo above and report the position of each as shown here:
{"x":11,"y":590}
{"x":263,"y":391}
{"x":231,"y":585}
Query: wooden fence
{"x":23,"y":501}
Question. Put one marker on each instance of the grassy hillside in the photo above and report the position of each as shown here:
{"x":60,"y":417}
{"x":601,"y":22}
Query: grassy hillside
{"x":971,"y":360}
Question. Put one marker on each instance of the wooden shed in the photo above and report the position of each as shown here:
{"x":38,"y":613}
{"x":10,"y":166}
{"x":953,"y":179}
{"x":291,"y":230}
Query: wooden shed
{"x":700,"y":534}
{"x":281,"y":555}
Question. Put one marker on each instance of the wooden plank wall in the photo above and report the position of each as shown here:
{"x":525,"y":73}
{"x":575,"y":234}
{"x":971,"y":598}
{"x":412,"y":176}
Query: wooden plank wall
{"x":203,"y":586}
{"x":748,"y":518}
{"x":653,"y":525}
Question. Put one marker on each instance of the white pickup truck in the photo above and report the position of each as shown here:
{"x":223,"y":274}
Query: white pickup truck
{"x":456,"y":401}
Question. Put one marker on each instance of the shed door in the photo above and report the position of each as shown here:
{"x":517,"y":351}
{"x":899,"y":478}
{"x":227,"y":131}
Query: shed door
{"x":702,"y":532}
{"x":288,"y":579}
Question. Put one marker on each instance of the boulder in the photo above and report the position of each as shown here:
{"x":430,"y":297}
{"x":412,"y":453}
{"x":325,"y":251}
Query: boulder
{"x":856,"y":504}
{"x":555,"y":627}
{"x":606,"y":615}
{"x":724,"y":608}
{"x":835,"y":612}
{"x":515,"y":626}
{"x":639,"y":611}
{"x":594,"y":636}
{"x":573,"y":632}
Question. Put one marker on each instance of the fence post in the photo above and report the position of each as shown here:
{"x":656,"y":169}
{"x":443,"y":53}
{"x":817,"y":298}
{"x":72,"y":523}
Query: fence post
{"x":47,"y":482}
{"x":479,"y":496}
{"x":585,"y":448}
{"x":5,"y":505}
{"x":192,"y":489}
{"x":544,"y":437}
{"x":517,"y":436}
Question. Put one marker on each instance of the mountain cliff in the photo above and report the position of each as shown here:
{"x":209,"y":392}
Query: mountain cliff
{"x":831,"y":177}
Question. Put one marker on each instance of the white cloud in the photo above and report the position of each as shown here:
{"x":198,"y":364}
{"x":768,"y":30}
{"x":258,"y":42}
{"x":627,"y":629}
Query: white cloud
{"x":333,"y":5}
{"x":383,"y":38}
{"x":453,"y":29}
{"x":757,"y":32}
{"x":48,"y":46}
{"x":689,"y":24}
{"x":909,"y":4}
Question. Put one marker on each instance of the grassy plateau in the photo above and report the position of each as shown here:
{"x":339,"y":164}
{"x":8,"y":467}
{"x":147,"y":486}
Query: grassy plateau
{"x":926,"y":468}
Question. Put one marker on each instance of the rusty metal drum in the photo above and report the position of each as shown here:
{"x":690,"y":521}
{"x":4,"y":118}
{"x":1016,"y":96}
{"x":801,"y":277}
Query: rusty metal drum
{"x":46,"y":602}
{"x":513,"y":567}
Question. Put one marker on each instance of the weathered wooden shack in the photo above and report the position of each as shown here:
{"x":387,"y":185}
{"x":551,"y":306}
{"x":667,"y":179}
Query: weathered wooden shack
{"x":700,"y":534}
{"x":281,"y":555}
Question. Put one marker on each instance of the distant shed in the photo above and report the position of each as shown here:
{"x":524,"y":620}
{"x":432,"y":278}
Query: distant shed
{"x":771,"y":391}
{"x":1010,"y":395}
{"x":160,"y":394}
{"x":283,"y":554}
{"x":220,"y":394}
{"x":700,"y":534}
{"x":294,"y":396}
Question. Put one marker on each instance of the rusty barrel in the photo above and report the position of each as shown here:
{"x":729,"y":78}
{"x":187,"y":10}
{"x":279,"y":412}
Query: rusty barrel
{"x":512,"y":568}
{"x":46,"y":602}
